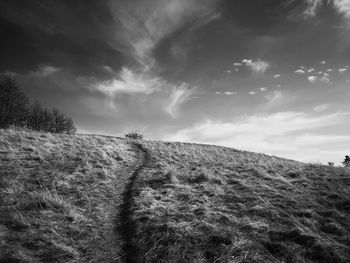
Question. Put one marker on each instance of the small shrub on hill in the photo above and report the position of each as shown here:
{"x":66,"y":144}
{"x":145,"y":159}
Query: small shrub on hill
{"x":346,"y":161}
{"x":134,"y":135}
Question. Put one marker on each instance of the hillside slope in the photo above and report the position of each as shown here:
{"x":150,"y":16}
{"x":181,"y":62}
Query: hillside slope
{"x":70,"y":198}
{"x":60,"y":196}
{"x":200,"y":203}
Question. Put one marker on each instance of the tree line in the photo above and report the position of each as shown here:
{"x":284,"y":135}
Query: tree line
{"x":17,"y":110}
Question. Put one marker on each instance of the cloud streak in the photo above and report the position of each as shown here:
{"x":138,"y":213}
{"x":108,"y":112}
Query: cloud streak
{"x":229,"y":93}
{"x":312,"y":7}
{"x":257,"y":67}
{"x":178,"y":96}
{"x":143,"y":25}
{"x":44,"y":71}
{"x":299,"y":71}
{"x":312,"y":79}
{"x":343,"y":7}
{"x":129,"y":82}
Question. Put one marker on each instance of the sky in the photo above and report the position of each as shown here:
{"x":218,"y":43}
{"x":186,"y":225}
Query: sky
{"x":268,"y":76}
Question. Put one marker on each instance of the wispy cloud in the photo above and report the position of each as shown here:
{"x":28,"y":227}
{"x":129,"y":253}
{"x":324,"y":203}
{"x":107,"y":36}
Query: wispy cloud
{"x":312,"y":7}
{"x":312,"y":79}
{"x":129,"y":82}
{"x":107,"y":69}
{"x":324,"y":79}
{"x":144,"y":86}
{"x":8,"y":73}
{"x":322,"y":107}
{"x":141,"y":27}
{"x":144,"y":25}
{"x":178,"y":96}
{"x":343,"y":7}
{"x":44,"y":71}
{"x":258,"y":67}
{"x":229,"y":93}
{"x":274,"y":96}
{"x":299,"y":71}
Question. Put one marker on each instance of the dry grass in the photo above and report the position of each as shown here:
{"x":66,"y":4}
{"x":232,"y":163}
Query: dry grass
{"x":199,"y":203}
{"x":59,"y":196}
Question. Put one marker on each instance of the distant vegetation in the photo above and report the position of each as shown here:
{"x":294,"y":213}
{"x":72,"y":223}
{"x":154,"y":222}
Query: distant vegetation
{"x":134,"y":135}
{"x":331,"y":164}
{"x":346,"y":161}
{"x":17,"y":110}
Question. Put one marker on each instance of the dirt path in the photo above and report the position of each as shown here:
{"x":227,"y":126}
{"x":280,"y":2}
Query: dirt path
{"x":85,"y":187}
{"x":131,"y":254}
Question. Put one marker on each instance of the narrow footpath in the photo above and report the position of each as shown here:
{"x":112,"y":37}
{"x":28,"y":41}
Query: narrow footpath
{"x":126,"y":228}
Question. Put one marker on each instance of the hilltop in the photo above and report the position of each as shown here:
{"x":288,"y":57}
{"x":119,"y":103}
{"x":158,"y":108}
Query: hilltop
{"x":90,"y":198}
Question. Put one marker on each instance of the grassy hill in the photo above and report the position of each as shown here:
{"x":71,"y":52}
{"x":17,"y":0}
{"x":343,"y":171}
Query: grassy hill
{"x":65,"y":199}
{"x":58,"y":200}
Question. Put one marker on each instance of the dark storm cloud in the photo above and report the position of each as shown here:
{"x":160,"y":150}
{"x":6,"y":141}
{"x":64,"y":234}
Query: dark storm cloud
{"x":75,"y":35}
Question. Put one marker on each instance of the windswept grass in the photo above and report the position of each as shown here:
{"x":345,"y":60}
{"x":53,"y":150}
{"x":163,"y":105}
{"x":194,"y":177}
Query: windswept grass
{"x":58,"y":199}
{"x":199,"y":203}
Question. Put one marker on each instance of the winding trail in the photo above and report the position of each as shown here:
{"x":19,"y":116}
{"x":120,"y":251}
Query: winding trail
{"x":131,"y":253}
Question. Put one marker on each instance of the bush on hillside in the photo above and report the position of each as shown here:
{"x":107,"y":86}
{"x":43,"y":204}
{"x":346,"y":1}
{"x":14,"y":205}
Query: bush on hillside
{"x":346,"y":161}
{"x":134,"y":135}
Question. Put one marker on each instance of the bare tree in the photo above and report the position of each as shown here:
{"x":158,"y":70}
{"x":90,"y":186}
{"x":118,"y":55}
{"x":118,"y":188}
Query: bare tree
{"x":69,"y":126}
{"x":35,"y":120}
{"x":58,"y":121}
{"x":15,"y":109}
{"x":13,"y":103}
{"x":47,"y":121}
